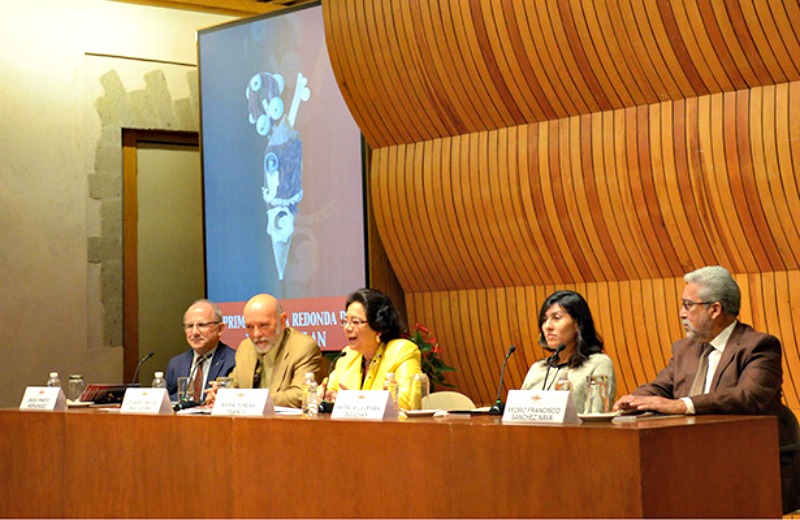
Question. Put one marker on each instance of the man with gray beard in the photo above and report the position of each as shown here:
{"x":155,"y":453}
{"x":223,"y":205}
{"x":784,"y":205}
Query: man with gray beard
{"x":273,"y":355}
{"x":722,"y":366}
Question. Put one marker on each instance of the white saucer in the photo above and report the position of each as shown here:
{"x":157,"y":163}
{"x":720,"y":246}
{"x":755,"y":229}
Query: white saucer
{"x":597,"y":417}
{"x":420,"y":413}
{"x":79,"y":404}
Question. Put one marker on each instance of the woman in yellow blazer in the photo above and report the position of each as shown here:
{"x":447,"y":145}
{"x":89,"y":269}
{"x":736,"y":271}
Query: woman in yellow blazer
{"x":373,"y":329}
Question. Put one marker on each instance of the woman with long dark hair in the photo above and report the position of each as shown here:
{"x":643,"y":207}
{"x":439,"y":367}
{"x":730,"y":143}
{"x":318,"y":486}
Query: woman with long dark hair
{"x":565,"y":319}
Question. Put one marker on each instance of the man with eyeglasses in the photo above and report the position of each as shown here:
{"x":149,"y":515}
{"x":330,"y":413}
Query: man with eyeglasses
{"x":273,"y":355}
{"x":722,"y":366}
{"x":208,"y":357}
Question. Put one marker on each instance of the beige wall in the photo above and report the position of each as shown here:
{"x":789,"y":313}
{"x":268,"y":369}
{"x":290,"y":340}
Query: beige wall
{"x":73,"y":73}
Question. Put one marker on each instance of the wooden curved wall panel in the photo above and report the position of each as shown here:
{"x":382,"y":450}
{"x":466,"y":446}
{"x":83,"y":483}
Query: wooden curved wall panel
{"x":638,"y":193}
{"x":417,"y":70}
{"x":522,"y":147}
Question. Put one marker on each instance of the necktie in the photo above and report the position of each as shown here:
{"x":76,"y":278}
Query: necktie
{"x":257,"y":373}
{"x":699,"y":382}
{"x":197,"y":386}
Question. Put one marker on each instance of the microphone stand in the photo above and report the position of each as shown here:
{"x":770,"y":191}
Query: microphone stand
{"x":499,"y":406}
{"x":327,"y":406}
{"x":141,"y":362}
{"x":550,"y":364}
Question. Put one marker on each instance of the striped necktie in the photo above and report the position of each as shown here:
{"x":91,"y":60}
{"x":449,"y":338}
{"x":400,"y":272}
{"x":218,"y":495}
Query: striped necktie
{"x":197,"y":385}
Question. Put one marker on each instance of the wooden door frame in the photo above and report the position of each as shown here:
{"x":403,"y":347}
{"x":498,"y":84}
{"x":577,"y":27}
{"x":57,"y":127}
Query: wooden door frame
{"x":131,"y":140}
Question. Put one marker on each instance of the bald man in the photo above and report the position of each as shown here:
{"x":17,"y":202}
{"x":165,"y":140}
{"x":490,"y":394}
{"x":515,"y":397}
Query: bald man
{"x":273,"y":356}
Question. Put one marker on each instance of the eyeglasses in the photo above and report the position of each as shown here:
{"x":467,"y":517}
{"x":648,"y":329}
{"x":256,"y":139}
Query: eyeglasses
{"x":355,"y":322}
{"x":204,"y":325}
{"x":688,"y":304}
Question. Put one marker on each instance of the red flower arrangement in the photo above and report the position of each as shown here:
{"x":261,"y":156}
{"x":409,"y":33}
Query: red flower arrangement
{"x":429,"y":349}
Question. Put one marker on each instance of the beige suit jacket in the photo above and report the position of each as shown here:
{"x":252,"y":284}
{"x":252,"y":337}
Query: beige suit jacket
{"x":297,"y":354}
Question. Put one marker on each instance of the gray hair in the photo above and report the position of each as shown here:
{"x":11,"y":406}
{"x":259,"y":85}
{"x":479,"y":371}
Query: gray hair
{"x":716,"y":284}
{"x":217,"y":310}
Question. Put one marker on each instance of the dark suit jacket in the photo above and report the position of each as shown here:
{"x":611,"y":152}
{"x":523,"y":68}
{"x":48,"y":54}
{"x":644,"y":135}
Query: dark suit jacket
{"x":747,"y":380}
{"x":181,"y":365}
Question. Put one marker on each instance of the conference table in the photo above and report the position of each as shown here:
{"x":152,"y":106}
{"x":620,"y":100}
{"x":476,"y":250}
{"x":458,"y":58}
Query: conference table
{"x":87,"y":463}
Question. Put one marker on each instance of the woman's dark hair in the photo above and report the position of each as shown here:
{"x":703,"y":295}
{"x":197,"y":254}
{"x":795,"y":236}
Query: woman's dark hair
{"x":588,"y":342}
{"x":382,"y":315}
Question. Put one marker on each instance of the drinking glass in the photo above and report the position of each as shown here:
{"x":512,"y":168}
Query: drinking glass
{"x":420,"y":389}
{"x":184,"y":391}
{"x":75,"y":388}
{"x":597,"y":395}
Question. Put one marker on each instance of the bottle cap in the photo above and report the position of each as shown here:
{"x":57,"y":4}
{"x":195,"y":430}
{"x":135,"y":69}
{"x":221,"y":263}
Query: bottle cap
{"x":53,"y":374}
{"x":159,"y":374}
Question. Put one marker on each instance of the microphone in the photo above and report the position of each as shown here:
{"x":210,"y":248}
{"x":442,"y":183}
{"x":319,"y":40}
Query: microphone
{"x":499,"y":406}
{"x":141,"y":362}
{"x":550,"y":363}
{"x":326,"y":406}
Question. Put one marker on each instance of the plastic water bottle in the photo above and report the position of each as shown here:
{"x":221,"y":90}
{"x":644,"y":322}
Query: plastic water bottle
{"x":54,"y":380}
{"x":391,"y":385}
{"x":563,"y":382}
{"x":159,"y":381}
{"x":310,"y":406}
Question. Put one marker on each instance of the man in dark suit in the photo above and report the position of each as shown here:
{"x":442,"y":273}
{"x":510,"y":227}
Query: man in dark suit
{"x":722,"y":366}
{"x":208,"y":358}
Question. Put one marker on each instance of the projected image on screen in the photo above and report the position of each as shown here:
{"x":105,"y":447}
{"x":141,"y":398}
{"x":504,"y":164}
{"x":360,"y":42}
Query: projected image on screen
{"x":282,"y":174}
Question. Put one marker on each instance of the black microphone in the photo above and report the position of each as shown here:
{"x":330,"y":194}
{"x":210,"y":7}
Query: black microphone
{"x":550,"y":363}
{"x":326,"y":406}
{"x":498,"y":407}
{"x":141,"y":362}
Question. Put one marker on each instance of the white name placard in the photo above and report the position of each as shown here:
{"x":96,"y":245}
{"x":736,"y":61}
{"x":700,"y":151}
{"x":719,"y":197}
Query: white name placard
{"x":146,"y":400}
{"x":540,"y":406}
{"x":43,"y":398}
{"x":243,"y":401}
{"x":371,"y":405}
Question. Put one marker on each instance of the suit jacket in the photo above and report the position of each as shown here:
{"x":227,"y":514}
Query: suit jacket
{"x":181,"y":365}
{"x":297,"y":354}
{"x":747,"y":380}
{"x":400,"y":356}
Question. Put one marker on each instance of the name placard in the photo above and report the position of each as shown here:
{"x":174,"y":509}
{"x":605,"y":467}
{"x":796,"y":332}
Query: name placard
{"x":146,"y":400}
{"x":243,"y":402}
{"x":540,"y":406}
{"x":370,"y":405}
{"x":43,"y":398}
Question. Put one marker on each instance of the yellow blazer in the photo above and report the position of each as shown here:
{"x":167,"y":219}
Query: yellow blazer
{"x":400,"y":356}
{"x":297,"y":354}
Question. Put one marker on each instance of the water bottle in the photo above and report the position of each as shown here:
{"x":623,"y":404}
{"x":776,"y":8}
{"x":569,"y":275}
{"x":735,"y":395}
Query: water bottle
{"x":54,"y":380}
{"x":310,"y":407}
{"x":391,"y":385}
{"x":563,"y":382}
{"x":75,"y":387}
{"x":159,"y":381}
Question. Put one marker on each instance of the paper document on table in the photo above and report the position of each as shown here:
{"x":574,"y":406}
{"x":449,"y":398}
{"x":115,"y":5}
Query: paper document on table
{"x":285,"y":410}
{"x":195,"y":410}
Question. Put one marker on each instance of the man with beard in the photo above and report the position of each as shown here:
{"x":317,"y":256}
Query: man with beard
{"x":208,"y":358}
{"x":273,"y":356}
{"x":722,"y":366}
